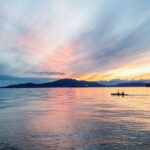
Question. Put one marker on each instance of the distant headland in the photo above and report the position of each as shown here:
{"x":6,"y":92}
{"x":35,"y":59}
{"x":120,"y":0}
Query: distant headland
{"x":75,"y":83}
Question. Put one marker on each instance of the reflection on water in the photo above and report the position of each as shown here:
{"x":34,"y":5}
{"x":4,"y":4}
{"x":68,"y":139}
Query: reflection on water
{"x":74,"y":118}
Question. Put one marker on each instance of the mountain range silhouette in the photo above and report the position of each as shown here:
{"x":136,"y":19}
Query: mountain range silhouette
{"x":75,"y":83}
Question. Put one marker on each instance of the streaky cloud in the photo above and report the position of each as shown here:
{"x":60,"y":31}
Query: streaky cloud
{"x":73,"y":38}
{"x":48,"y":73}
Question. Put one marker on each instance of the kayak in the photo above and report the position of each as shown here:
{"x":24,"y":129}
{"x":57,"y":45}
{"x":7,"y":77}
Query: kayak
{"x":119,"y":94}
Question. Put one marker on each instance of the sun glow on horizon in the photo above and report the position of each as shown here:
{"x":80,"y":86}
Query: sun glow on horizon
{"x":139,"y":73}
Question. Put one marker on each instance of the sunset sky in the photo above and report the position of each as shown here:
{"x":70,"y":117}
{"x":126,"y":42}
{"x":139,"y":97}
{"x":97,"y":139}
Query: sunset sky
{"x":82,"y":39}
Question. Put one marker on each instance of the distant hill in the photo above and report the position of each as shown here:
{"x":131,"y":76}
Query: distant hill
{"x":131,"y":84}
{"x":58,"y":83}
{"x":42,"y":83}
{"x":118,"y":82}
{"x":111,"y":82}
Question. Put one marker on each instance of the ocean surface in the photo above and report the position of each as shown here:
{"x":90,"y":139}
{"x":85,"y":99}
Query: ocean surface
{"x":74,"y":119}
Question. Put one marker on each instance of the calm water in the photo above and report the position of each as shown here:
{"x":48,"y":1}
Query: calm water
{"x":74,"y":118}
